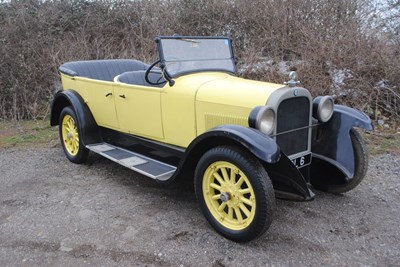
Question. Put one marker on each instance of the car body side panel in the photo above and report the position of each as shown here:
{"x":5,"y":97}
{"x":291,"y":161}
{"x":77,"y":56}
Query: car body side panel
{"x":98,"y":95}
{"x":139,"y":110}
{"x":210,"y":115}
{"x":178,"y":108}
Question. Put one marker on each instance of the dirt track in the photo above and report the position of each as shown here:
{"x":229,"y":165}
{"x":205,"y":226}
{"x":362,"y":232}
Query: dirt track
{"x":53,"y":213}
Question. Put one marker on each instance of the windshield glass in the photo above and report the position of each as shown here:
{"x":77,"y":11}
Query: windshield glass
{"x":183,"y":55}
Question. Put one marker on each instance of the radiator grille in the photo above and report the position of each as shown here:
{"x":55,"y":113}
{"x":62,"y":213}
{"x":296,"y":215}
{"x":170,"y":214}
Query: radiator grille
{"x":293,"y":113}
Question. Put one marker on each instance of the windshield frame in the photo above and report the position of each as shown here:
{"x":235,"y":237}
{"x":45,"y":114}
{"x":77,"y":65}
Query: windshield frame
{"x":163,"y":61}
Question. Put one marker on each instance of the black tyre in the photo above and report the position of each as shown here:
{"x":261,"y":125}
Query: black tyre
{"x":360,"y":163}
{"x":70,"y":137}
{"x":235,"y":193}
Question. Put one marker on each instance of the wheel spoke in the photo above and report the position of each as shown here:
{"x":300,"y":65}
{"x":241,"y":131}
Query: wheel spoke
{"x":238,"y":214}
{"x":216,"y":197}
{"x":233,"y":176}
{"x":219,"y":178}
{"x":244,"y":209}
{"x":225,"y":174}
{"x":215,"y":186}
{"x":246,"y":201}
{"x":230,"y":212}
{"x":244,"y":191}
{"x":240,"y":182}
{"x":70,"y":145}
{"x":66,"y":127}
{"x":222,"y":206}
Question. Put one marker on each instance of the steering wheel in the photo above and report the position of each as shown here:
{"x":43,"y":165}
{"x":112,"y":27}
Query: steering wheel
{"x":148,"y":71}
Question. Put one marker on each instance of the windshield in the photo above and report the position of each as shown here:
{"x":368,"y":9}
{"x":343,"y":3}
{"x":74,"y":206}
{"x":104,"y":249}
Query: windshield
{"x":182,"y":55}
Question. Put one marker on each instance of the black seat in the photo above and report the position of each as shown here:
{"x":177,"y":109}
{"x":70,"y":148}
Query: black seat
{"x":104,"y":70}
{"x":137,"y":77}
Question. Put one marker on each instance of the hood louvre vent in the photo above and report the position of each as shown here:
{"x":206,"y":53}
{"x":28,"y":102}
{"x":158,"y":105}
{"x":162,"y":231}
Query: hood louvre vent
{"x":214,"y":120}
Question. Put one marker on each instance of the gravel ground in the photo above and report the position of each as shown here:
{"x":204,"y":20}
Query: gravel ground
{"x":53,"y":213}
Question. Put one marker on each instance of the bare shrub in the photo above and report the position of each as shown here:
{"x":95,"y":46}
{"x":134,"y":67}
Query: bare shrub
{"x":338,"y":47}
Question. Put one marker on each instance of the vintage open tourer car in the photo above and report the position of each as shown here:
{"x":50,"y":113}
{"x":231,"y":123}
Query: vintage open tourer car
{"x":188,"y":115}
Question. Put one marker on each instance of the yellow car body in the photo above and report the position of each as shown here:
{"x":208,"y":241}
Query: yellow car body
{"x":159,"y":113}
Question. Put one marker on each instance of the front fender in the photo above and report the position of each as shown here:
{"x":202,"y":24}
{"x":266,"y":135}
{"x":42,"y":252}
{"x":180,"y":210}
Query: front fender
{"x":87,"y":127}
{"x":262,"y":146}
{"x":287,"y":179}
{"x":331,"y":140}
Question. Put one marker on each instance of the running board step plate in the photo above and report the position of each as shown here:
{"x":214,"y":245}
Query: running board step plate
{"x":147,"y":166}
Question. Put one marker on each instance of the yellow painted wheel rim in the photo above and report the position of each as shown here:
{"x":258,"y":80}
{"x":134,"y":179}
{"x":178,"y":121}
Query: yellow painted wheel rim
{"x":229,"y":195}
{"x":70,"y":135}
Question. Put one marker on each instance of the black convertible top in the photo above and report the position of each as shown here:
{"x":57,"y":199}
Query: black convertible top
{"x":104,"y":70}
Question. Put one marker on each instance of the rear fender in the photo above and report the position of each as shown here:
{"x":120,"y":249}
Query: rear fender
{"x":331,"y":140}
{"x":88,"y":129}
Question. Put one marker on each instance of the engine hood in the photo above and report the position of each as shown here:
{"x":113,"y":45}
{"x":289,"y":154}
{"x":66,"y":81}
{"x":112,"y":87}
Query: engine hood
{"x":222,"y":99}
{"x":225,"y":89}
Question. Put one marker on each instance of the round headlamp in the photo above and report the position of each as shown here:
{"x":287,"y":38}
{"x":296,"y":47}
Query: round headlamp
{"x":323,"y":108}
{"x":263,"y":119}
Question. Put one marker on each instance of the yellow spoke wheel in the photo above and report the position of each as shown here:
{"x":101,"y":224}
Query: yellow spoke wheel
{"x":234,"y":192}
{"x":69,"y":136}
{"x":229,"y":195}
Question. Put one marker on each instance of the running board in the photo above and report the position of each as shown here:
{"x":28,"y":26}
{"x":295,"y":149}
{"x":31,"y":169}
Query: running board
{"x":147,"y":166}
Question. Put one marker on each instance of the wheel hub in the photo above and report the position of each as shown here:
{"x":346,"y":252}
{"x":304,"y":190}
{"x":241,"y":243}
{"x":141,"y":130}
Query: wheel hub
{"x":224,"y":197}
{"x":69,"y":135}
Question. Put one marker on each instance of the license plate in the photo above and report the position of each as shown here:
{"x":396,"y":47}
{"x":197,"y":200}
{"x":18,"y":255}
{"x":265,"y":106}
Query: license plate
{"x":302,"y":161}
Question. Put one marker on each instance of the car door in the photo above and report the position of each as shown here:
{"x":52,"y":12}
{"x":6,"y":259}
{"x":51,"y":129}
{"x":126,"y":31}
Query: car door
{"x":99,"y":96}
{"x":139,"y":110}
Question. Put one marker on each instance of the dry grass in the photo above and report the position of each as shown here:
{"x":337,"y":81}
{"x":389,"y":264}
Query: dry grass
{"x":24,"y":133}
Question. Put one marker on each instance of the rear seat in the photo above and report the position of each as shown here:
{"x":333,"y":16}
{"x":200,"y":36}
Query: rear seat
{"x":137,"y":77}
{"x":104,"y":70}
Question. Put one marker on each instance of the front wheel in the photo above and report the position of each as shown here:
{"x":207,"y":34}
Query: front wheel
{"x":235,"y":193}
{"x":71,"y":142}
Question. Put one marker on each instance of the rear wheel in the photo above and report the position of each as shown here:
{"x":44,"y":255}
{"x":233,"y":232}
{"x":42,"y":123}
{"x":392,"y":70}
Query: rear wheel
{"x":235,"y":193}
{"x":70,"y":138}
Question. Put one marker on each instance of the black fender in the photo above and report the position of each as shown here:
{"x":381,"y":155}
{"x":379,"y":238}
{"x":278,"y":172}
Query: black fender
{"x":288,"y":181}
{"x":87,"y":126}
{"x":279,"y":167}
{"x":331,"y":141}
{"x":261,"y":146}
